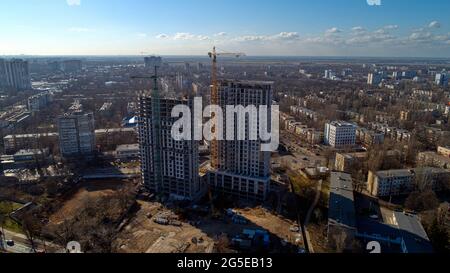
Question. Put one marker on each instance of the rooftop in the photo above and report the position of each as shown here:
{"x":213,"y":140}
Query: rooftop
{"x":340,"y":123}
{"x":395,"y":173}
{"x":413,"y":233}
{"x":127,"y":147}
{"x":246,"y":82}
{"x":342,"y":208}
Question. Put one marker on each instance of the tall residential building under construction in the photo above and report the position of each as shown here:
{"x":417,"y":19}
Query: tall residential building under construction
{"x":243,"y":169}
{"x":169,"y":167}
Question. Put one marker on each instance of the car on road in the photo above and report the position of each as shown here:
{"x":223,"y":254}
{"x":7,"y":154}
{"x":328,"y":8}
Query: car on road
{"x":10,"y":243}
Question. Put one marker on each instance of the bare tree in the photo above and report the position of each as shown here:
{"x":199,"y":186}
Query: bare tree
{"x":423,"y":179}
{"x":32,"y":228}
{"x":222,"y":244}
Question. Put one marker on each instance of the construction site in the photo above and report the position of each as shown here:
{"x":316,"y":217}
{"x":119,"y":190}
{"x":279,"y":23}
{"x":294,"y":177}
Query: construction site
{"x":155,"y":228}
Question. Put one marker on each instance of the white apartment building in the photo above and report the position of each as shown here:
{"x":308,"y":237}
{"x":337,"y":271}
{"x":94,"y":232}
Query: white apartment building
{"x":374,"y":79}
{"x":339,"y":134}
{"x":169,"y":167}
{"x":243,"y":170}
{"x":76,"y":134}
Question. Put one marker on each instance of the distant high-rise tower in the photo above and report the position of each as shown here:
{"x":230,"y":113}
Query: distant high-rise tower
{"x":374,"y":79}
{"x":243,"y":169}
{"x":14,"y":74}
{"x":152,"y":62}
{"x":72,"y":66}
{"x":442,"y":79}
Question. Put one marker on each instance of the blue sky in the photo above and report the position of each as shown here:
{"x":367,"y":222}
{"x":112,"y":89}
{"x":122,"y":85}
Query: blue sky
{"x":415,"y":28}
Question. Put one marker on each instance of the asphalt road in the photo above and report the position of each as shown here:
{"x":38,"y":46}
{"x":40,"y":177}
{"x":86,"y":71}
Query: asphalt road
{"x":22,"y":245}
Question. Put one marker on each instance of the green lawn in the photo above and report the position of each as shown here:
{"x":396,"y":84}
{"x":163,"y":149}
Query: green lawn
{"x":5,"y":209}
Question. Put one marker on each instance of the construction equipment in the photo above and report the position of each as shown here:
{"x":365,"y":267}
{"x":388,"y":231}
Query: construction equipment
{"x":156,"y":123}
{"x":215,"y":100}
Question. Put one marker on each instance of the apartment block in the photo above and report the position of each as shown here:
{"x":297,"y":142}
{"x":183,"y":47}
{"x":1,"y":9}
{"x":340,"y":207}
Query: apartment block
{"x":15,"y":74}
{"x":340,"y":134}
{"x":402,"y":182}
{"x":243,"y":169}
{"x":169,"y":167}
{"x":76,"y":134}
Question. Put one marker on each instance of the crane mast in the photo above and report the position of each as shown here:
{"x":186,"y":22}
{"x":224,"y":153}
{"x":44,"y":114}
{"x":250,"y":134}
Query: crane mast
{"x":215,"y":101}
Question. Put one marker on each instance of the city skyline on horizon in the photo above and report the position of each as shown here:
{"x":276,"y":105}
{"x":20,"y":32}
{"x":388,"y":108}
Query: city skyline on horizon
{"x":322,"y":28}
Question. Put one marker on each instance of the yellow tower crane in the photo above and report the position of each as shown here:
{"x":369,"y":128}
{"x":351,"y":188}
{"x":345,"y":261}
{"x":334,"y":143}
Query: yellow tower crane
{"x":215,"y":99}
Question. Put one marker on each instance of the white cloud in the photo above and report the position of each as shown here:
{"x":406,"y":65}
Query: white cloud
{"x":374,"y":2}
{"x":391,"y":27}
{"x":251,"y":38}
{"x":180,"y":36}
{"x":287,"y":36}
{"x":162,"y":36}
{"x":142,"y":35}
{"x":73,"y":2}
{"x":183,"y":36}
{"x":434,"y":24}
{"x":220,"y":34}
{"x":358,"y":29}
{"x":333,"y":30}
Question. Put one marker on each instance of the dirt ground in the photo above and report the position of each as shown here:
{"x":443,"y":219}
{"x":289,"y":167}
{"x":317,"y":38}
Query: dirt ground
{"x":319,"y":238}
{"x":272,"y":223}
{"x":87,"y":191}
{"x":143,"y":235}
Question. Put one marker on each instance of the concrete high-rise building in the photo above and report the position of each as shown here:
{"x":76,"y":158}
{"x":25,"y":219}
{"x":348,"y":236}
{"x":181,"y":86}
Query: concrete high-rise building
{"x":243,"y":169}
{"x":442,"y":79}
{"x":39,"y":101}
{"x":169,"y":167}
{"x":76,"y":134}
{"x":374,"y":78}
{"x":14,"y":74}
{"x":152,"y":61}
{"x":72,"y":66}
{"x":340,"y":134}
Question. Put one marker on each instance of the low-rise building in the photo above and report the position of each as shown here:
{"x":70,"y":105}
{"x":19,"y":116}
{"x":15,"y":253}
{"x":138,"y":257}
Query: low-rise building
{"x":129,"y":151}
{"x":13,"y":143}
{"x":405,"y":181}
{"x":24,"y":159}
{"x":433,"y":159}
{"x":346,"y":162}
{"x":390,"y":183}
{"x":444,"y":151}
{"x":341,"y":213}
